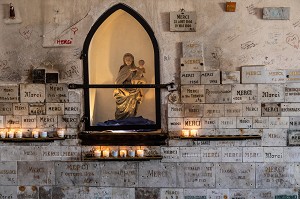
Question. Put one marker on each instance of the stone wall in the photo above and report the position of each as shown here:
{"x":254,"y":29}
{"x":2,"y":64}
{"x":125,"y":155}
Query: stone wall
{"x":212,"y":99}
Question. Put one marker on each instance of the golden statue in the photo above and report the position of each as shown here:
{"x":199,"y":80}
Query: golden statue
{"x":128,"y":99}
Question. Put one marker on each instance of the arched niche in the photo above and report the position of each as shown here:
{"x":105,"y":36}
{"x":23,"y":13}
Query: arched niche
{"x":118,"y":31}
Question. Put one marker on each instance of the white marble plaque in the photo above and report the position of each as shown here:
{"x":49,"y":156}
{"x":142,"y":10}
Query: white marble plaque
{"x":192,"y":49}
{"x":37,"y":109}
{"x":252,"y":110}
{"x":54,"y":108}
{"x":270,"y":93}
{"x":6,"y":109}
{"x":175,"y":124}
{"x":13,"y":121}
{"x":218,"y":93}
{"x":217,"y":193}
{"x":227,"y":122}
{"x":276,"y":76}
{"x":192,"y":123}
{"x":189,"y":154}
{"x":273,"y":154}
{"x":68,"y":121}
{"x":253,"y":154}
{"x":8,"y":173}
{"x":193,"y":110}
{"x":157,"y":174}
{"x":293,"y":137}
{"x":175,"y":110}
{"x":274,"y":137}
{"x":29,"y":121}
{"x":183,"y":21}
{"x":291,"y":154}
{"x":275,"y":175}
{"x":72,"y":108}
{"x":192,"y":94}
{"x":190,"y":78}
{"x":231,"y":77}
{"x":233,"y":110}
{"x":276,"y":13}
{"x":20,"y":109}
{"x":292,"y":92}
{"x":201,"y":175}
{"x":214,"y":110}
{"x":244,"y":93}
{"x":232,"y":154}
{"x":271,"y":109}
{"x":57,"y":93}
{"x":278,"y":122}
{"x":290,"y":109}
{"x":170,"y":154}
{"x":253,"y":74}
{"x":32,"y":92}
{"x":235,"y":175}
{"x":244,"y":122}
{"x":211,"y":154}
{"x":294,"y":123}
{"x":46,"y":121}
{"x":171,"y":193}
{"x":210,"y":122}
{"x":210,"y":77}
{"x":191,"y":64}
{"x":260,"y":122}
{"x":9,"y":93}
{"x":293,"y":76}
{"x":194,"y":193}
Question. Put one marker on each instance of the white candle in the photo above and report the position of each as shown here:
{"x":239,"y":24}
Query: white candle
{"x":115,"y":153}
{"x":61,"y":133}
{"x":106,"y":153}
{"x":194,"y":132}
{"x":123,"y":153}
{"x":140,"y":152}
{"x":44,"y":134}
{"x":11,"y":134}
{"x":35,"y":134}
{"x":3,"y":134}
{"x":131,"y":153}
{"x":185,"y":133}
{"x":19,"y":134}
{"x":97,"y":153}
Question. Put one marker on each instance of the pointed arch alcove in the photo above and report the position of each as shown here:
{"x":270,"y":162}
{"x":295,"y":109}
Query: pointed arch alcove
{"x":118,"y":31}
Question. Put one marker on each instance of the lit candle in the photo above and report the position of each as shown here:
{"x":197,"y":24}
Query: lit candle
{"x":61,"y":133}
{"x":123,"y":153}
{"x":106,"y":153}
{"x":97,"y":153}
{"x":11,"y":134}
{"x":140,"y":152}
{"x":44,"y":134}
{"x":185,"y":133}
{"x":3,"y":134}
{"x":35,"y":134}
{"x":19,"y":134}
{"x":131,"y":153}
{"x":115,"y":153}
{"x":194,"y":132}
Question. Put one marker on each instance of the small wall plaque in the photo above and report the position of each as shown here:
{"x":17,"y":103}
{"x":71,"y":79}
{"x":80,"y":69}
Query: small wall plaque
{"x":273,"y":13}
{"x":230,"y":6}
{"x":51,"y":77}
{"x":38,"y":76}
{"x":293,"y":137}
{"x":183,"y":21}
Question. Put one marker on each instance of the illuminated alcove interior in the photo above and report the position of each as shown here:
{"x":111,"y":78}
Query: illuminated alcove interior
{"x":120,"y":33}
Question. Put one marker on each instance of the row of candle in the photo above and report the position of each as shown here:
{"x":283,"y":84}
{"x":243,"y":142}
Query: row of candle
{"x":115,"y":153}
{"x":189,"y":133}
{"x":35,"y":134}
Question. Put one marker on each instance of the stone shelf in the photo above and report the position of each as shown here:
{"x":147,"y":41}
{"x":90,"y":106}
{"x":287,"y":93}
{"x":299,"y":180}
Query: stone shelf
{"x":146,"y":158}
{"x":48,"y":139}
{"x":223,"y":137}
{"x":154,"y":138}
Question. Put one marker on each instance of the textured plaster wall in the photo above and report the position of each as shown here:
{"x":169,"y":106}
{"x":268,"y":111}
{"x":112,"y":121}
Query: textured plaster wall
{"x":189,"y":169}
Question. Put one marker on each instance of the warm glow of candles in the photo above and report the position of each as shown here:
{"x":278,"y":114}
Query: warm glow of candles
{"x":19,"y":134}
{"x":140,"y":152}
{"x":185,"y":133}
{"x":3,"y":134}
{"x":105,"y":153}
{"x":35,"y":134}
{"x":123,"y":153}
{"x":11,"y":134}
{"x":194,"y":133}
{"x":61,"y":133}
{"x":97,"y":153}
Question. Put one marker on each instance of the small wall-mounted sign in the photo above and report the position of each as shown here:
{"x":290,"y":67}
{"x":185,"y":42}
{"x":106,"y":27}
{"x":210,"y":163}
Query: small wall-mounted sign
{"x":51,"y":77}
{"x":274,"y":13}
{"x":38,"y":76}
{"x":293,"y":137}
{"x":183,"y":21}
{"x":230,"y":6}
